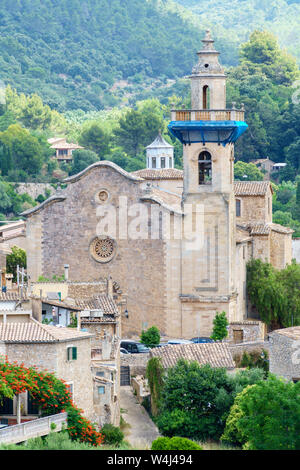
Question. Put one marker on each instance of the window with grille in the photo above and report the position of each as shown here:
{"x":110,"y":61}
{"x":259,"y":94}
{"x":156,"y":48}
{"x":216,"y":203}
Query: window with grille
{"x":204,"y":167}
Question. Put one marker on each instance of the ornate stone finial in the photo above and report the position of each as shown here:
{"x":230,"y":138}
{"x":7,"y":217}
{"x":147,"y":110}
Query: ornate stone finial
{"x":243,"y":106}
{"x":208,"y":35}
{"x":233,"y":105}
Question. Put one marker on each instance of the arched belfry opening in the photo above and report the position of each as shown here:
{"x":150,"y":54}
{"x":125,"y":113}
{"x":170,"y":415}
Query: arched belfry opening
{"x":206,"y":97}
{"x":204,"y":168}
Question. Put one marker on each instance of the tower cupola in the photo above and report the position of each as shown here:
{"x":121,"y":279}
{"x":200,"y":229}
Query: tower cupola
{"x":208,"y":78}
{"x":160,"y":154}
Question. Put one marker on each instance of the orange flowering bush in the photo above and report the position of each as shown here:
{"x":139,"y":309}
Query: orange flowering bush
{"x":50,"y":394}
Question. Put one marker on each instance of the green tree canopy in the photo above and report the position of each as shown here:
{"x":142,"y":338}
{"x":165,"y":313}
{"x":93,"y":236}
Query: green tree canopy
{"x":96,"y":139}
{"x":266,"y":416}
{"x":82,"y":159}
{"x":151,"y":337}
{"x":247,"y":172}
{"x":16,"y":258}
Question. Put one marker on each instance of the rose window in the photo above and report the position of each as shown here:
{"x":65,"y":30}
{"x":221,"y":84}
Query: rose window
{"x":103,"y":249}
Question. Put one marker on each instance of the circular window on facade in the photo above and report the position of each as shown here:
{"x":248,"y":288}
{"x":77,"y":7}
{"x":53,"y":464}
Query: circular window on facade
{"x":102,"y":196}
{"x":103,"y":249}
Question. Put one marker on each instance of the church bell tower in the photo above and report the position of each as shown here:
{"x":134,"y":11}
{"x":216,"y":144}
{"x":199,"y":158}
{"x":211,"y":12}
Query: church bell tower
{"x":208,"y":132}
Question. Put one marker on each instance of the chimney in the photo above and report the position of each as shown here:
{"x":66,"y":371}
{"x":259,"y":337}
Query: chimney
{"x":66,"y":266}
{"x":110,"y":291}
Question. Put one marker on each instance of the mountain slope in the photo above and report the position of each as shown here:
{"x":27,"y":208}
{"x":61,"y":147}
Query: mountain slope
{"x":232,"y":21}
{"x":72,"y":51}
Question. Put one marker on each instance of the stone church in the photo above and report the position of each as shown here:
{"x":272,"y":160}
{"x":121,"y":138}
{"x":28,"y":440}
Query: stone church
{"x":175,"y":242}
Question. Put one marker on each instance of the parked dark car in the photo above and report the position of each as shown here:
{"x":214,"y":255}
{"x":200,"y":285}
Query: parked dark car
{"x":202,"y":339}
{"x":123,"y":351}
{"x":133,"y":347}
{"x":161,"y":345}
{"x":179,"y":341}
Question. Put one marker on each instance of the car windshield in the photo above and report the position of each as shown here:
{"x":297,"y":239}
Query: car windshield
{"x":142,"y":347}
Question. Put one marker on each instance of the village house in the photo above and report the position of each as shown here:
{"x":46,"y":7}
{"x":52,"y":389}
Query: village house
{"x":93,"y":307}
{"x":167,"y":283}
{"x":66,"y":352}
{"x":284,"y":353}
{"x":63,"y":149}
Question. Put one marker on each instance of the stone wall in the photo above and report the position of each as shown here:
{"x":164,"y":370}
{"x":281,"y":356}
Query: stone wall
{"x":62,"y":233}
{"x":85,"y":290}
{"x":237,"y":350}
{"x":34,"y":189}
{"x":296,"y":249}
{"x":281,"y":249}
{"x":252,"y":331}
{"x":284,"y":356}
{"x":136,"y":362}
{"x":78,"y":372}
{"x":140,"y":388}
{"x":255,"y":209}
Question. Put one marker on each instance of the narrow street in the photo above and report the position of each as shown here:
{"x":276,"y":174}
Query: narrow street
{"x":142,"y":430}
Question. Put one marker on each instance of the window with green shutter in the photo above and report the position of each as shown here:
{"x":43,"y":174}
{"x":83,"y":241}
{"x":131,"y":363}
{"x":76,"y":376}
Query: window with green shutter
{"x":72,"y":353}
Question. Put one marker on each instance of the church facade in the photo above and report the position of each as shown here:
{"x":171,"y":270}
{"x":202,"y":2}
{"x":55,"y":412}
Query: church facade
{"x":175,"y":242}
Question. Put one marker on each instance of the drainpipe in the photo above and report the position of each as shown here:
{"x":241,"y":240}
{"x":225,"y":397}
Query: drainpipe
{"x":110,"y":286}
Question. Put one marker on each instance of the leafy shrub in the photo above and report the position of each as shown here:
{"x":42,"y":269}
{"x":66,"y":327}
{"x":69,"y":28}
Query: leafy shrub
{"x":151,"y":337}
{"x":174,"y":443}
{"x":112,"y":434}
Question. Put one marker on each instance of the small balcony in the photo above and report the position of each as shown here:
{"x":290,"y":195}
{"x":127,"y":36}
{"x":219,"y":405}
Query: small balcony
{"x":208,"y":114}
{"x":35,"y":428}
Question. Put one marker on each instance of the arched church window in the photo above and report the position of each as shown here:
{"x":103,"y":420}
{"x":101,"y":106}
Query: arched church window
{"x":238,"y":207}
{"x":204,"y":168}
{"x":206,"y":97}
{"x":153,"y":162}
{"x":163,"y":162}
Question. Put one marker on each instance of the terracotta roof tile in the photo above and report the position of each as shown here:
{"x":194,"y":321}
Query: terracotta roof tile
{"x":35,"y":332}
{"x":292,"y":332}
{"x":214,"y":354}
{"x":159,"y":174}
{"x":251,"y":188}
{"x":281,"y":228}
{"x":100,"y":302}
{"x":11,"y":296}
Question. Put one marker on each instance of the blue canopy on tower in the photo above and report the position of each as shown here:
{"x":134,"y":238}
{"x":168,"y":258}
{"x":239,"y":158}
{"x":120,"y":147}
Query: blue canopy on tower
{"x":221,"y":132}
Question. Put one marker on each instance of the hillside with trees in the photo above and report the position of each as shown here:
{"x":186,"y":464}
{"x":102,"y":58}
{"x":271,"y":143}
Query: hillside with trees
{"x":72,"y":52}
{"x":95,"y":54}
{"x":232,"y":21}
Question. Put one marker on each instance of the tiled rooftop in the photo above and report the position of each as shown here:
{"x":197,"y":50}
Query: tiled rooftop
{"x":34,"y":332}
{"x":100,"y":302}
{"x":159,"y":174}
{"x":251,"y":188}
{"x":293,"y":332}
{"x":214,"y":354}
{"x":10,"y":296}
